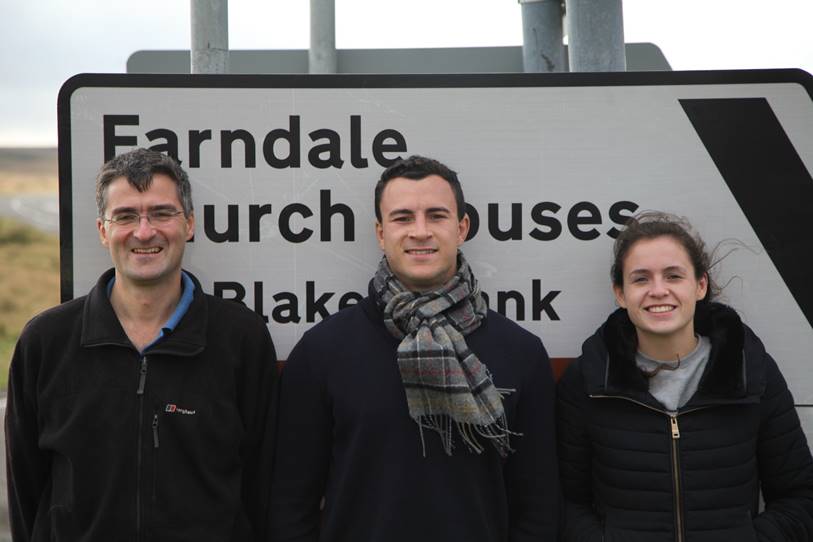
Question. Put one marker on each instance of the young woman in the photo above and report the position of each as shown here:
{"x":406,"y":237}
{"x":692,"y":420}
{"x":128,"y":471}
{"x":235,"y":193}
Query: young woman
{"x":675,"y":416}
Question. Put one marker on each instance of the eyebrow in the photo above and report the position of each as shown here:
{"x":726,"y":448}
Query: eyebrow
{"x":159,"y":207}
{"x":401,"y":212}
{"x":151,"y":208}
{"x":666,"y":269}
{"x":396,"y":212}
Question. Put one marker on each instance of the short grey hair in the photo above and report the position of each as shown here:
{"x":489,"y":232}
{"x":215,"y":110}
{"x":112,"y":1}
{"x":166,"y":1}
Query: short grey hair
{"x":138,"y":167}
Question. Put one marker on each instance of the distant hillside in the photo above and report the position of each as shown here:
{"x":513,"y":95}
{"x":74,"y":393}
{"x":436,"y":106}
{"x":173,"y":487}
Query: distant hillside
{"x":28,"y":170}
{"x":38,"y":160}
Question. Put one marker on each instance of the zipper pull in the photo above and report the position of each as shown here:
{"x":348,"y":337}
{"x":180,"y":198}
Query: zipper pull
{"x":142,"y":376}
{"x":675,"y":429}
{"x":155,"y":430}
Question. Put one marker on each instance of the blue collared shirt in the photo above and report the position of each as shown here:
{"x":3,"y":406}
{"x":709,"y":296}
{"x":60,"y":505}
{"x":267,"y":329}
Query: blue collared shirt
{"x":187,"y":291}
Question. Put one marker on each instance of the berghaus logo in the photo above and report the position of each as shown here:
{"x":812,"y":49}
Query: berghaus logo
{"x":175,"y":409}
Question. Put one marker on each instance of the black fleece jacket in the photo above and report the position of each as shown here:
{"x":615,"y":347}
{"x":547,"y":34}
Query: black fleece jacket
{"x":104,"y":444}
{"x":632,"y":472}
{"x":345,"y":433}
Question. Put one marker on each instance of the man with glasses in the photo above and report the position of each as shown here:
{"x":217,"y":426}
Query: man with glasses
{"x":142,"y":410}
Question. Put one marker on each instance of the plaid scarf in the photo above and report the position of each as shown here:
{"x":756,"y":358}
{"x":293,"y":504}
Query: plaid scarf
{"x":446,"y":385}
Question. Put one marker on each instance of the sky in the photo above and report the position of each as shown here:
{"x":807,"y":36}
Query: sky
{"x":45,"y":42}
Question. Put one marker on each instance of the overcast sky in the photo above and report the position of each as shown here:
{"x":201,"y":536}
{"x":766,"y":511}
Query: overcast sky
{"x":44,"y":42}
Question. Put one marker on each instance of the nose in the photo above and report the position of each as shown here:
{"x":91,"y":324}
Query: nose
{"x":144,"y":229}
{"x":419,"y":228}
{"x":659,"y":288}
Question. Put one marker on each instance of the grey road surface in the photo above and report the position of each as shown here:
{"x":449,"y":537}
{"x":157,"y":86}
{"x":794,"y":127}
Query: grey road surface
{"x":38,"y":210}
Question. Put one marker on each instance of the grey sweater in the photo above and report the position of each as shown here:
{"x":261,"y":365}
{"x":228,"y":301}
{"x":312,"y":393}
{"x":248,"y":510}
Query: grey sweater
{"x":674,"y":388}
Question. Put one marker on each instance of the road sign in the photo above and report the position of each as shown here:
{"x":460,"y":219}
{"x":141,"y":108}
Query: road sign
{"x":283,"y":169}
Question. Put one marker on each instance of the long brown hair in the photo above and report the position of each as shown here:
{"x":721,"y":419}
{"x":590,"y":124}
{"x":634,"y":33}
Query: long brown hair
{"x":653,"y":224}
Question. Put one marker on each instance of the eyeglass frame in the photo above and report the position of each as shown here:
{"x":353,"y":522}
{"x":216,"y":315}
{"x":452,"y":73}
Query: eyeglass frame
{"x":149,"y":215}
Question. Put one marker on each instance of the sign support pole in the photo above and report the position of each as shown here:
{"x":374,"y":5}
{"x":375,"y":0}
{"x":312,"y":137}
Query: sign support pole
{"x":542,"y":47}
{"x":322,"y":52}
{"x":210,"y":36}
{"x":596,"y":36}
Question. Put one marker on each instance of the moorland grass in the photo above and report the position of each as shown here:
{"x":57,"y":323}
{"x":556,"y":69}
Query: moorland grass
{"x":28,"y":171}
{"x":29,"y":282}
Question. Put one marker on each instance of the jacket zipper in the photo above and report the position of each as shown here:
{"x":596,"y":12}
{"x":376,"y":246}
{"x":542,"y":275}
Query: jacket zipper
{"x":142,"y":380}
{"x":674,"y":429}
{"x":673,"y":422}
{"x":155,"y":431}
{"x":155,"y":445}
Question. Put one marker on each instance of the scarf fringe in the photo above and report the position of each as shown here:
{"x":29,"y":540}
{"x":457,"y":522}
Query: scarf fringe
{"x":497,"y":433}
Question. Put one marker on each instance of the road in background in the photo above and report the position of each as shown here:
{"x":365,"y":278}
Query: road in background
{"x":38,"y":210}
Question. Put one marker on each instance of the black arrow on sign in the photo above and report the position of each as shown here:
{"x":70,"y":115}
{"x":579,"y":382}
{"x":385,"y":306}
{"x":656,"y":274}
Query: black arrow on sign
{"x":767,"y":178}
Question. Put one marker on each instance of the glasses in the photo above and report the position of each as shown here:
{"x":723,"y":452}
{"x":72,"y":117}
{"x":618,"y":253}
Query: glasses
{"x":157,"y":217}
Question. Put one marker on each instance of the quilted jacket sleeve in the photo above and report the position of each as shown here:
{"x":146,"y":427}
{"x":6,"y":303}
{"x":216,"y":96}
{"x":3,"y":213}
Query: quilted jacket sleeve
{"x":581,"y":523}
{"x":785,"y":466}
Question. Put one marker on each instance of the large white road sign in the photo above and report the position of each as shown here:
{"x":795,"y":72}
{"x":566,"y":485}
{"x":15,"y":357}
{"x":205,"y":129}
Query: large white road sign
{"x":283,"y":169}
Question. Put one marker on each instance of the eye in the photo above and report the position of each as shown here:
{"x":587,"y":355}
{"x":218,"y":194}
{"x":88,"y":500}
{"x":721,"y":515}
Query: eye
{"x":163,"y":215}
{"x":402,"y":219}
{"x":125,"y":219}
{"x":638,"y":280}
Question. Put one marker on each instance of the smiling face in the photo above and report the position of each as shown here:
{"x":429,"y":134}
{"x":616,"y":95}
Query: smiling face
{"x":419,"y":231}
{"x":145,"y":253}
{"x":660,"y":292}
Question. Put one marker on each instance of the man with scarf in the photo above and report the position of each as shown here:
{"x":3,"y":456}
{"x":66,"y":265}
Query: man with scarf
{"x":418,"y":414}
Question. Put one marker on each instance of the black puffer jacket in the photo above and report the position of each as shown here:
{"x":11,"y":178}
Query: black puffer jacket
{"x":632,"y":472}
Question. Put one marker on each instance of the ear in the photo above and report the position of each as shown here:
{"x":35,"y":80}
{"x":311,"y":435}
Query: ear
{"x":379,"y":234}
{"x":102,"y":232}
{"x":702,"y":286}
{"x":190,"y":226}
{"x":619,"y":296}
{"x":463,"y":229}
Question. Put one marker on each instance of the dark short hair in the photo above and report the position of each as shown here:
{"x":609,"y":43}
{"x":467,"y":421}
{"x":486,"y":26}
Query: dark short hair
{"x":653,"y":224}
{"x":416,"y":168}
{"x":138,"y":167}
